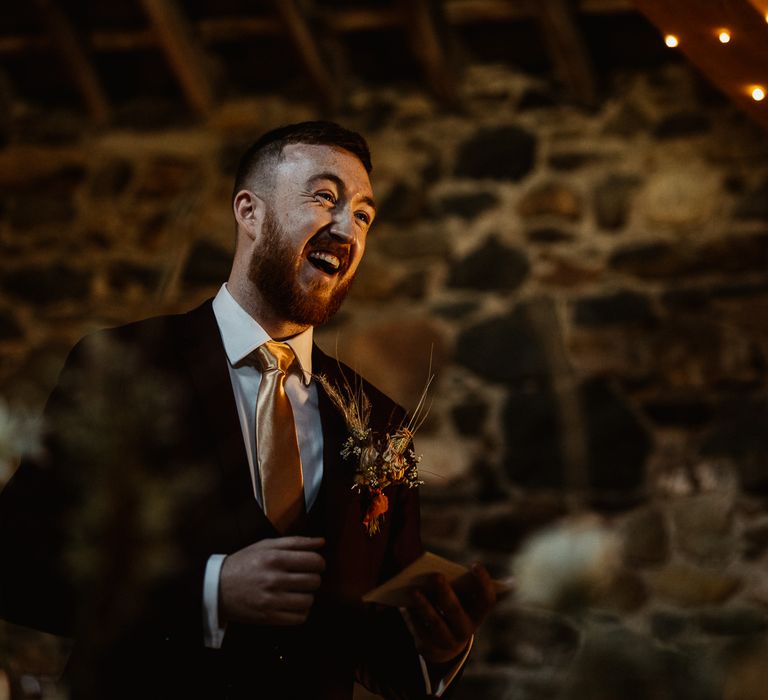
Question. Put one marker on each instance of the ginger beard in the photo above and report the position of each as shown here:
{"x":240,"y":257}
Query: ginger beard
{"x":274,"y":270}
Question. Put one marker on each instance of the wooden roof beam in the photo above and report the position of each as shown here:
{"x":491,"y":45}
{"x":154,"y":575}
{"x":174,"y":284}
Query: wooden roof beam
{"x":297,"y":28}
{"x":216,"y":30}
{"x":736,"y":67}
{"x":567,"y":47}
{"x":65,"y":40}
{"x":426,"y":43}
{"x":183,"y":52}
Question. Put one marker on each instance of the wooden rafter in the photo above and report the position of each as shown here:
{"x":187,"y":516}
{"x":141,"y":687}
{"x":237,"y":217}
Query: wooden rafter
{"x":567,"y":47}
{"x":735,"y":67}
{"x":297,"y":27}
{"x":428,"y":47}
{"x":64,"y":39}
{"x":216,"y":30}
{"x":183,"y":51}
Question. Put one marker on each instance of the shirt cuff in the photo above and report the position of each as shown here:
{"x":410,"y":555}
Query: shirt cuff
{"x":213,"y":633}
{"x":447,"y":679}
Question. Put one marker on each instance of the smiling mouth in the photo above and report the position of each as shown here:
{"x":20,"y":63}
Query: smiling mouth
{"x":324,"y":261}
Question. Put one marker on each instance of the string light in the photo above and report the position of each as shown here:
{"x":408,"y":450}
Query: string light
{"x":758,"y":93}
{"x":724,"y":36}
{"x":671,"y":40}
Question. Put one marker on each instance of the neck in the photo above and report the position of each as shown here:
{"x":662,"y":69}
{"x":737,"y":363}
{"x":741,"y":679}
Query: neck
{"x":249,"y":298}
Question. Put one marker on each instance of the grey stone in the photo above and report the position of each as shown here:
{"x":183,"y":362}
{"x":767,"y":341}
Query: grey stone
{"x":617,"y":443}
{"x":682,"y":124}
{"x":466,"y":205}
{"x":754,"y":204}
{"x":505,"y":532}
{"x":167,"y":177}
{"x":470,"y":415}
{"x":497,"y":153}
{"x":207,"y":264}
{"x":727,"y":255}
{"x":532,"y":436}
{"x":703,"y":527}
{"x":27,"y":209}
{"x":569,"y":161}
{"x":548,"y":235}
{"x":9,"y":327}
{"x":678,"y":411}
{"x":691,"y":586}
{"x":623,"y":307}
{"x":124,"y":274}
{"x":618,"y":663}
{"x":738,"y":433}
{"x":645,"y":537}
{"x":404,"y":202}
{"x":534,"y":98}
{"x":455,"y":310}
{"x":531,"y":639}
{"x":551,"y":199}
{"x":668,"y":625}
{"x":409,"y":242}
{"x":42,"y":284}
{"x":628,"y":121}
{"x":613,"y":201}
{"x":755,"y":541}
{"x":492,"y":266}
{"x":111,"y":178}
{"x":738,"y":621}
{"x":504,"y":349}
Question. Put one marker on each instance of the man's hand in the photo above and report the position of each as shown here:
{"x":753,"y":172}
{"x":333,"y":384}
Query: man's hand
{"x":442,"y":618}
{"x":271,"y":582}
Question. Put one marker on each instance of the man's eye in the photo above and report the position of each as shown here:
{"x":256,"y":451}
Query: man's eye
{"x":362,"y":216}
{"x":327,"y":196}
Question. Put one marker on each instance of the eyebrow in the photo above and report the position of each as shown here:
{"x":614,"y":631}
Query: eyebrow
{"x":340,"y":184}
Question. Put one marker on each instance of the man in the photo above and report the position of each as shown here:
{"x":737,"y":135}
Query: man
{"x":267,"y":543}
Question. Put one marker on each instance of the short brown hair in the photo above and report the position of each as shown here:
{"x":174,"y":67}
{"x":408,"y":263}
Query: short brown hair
{"x":270,"y":146}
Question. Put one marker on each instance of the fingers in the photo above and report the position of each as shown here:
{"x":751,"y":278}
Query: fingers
{"x":451,"y":610}
{"x":296,"y":542}
{"x":481,"y":594}
{"x":430,"y":626}
{"x":272,"y":581}
{"x":306,"y":562}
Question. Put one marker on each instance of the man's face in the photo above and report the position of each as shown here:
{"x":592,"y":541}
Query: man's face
{"x":314,"y":232}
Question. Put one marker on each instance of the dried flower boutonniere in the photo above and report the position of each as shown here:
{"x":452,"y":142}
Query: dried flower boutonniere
{"x":382,"y":459}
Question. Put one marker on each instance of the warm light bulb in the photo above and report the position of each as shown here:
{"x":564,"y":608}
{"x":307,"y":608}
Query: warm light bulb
{"x":766,"y":16}
{"x":724,"y":36}
{"x":671,"y":41}
{"x":758,"y":93}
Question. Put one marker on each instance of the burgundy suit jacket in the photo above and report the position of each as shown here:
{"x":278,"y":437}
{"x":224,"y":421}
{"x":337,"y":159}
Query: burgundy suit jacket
{"x":106,"y":538}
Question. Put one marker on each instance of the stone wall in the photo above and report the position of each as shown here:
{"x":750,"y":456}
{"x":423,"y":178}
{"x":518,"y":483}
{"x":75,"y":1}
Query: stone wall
{"x":590,"y":288}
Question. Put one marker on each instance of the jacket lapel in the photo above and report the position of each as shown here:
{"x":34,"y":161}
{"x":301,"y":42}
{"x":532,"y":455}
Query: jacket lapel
{"x":208,"y":368}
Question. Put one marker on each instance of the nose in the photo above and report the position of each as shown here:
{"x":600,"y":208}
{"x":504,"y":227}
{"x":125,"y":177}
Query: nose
{"x":343,"y":226}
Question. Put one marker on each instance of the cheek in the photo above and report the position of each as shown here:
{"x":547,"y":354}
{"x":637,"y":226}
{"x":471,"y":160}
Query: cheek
{"x":359,"y":252}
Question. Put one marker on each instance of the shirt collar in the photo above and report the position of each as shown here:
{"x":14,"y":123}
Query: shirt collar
{"x":242,"y":334}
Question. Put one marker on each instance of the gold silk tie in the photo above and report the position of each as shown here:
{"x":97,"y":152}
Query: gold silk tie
{"x":277,"y":448}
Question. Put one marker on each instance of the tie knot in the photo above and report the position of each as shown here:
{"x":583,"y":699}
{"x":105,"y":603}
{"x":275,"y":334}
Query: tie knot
{"x":276,"y":356}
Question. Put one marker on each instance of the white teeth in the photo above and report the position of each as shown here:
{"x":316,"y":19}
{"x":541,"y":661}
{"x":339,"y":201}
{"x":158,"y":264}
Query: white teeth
{"x":327,"y":257}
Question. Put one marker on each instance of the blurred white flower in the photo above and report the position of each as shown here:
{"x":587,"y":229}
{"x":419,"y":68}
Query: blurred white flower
{"x":567,"y":565}
{"x":20,"y":435}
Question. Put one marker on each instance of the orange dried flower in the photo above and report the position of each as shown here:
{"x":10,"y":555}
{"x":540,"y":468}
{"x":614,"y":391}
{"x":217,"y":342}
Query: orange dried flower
{"x":379,"y":506}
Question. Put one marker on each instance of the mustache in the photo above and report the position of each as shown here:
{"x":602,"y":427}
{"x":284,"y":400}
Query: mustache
{"x":326,"y":242}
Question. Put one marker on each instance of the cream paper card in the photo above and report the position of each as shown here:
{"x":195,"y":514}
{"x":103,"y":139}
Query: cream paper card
{"x":396,"y":591}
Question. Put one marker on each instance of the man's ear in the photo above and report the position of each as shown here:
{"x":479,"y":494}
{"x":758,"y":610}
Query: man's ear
{"x":249,"y":210}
